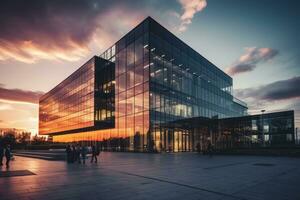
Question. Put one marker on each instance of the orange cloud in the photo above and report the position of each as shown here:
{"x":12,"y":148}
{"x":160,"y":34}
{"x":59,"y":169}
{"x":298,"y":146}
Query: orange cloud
{"x":30,"y":51}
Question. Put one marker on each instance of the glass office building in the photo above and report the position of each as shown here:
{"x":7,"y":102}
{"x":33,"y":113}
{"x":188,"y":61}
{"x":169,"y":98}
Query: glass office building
{"x":124,"y":98}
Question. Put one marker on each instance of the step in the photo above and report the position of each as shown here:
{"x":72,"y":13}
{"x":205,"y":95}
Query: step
{"x":41,"y":153}
{"x":39,"y":156}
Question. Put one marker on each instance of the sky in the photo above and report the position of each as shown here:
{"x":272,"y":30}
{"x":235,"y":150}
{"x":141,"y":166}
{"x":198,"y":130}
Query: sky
{"x":42,"y":42}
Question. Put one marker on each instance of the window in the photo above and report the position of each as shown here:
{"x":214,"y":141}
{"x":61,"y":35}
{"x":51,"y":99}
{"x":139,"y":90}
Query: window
{"x":130,"y":92}
{"x":130,"y":55}
{"x":138,"y":103}
{"x":139,"y":51}
{"x":130,"y":78}
{"x":266,"y":138}
{"x":138,"y":75}
{"x":130,"y":105}
{"x":138,"y":89}
{"x":122,"y":61}
{"x":266,"y":128}
{"x":122,"y":82}
{"x":254,"y":138}
{"x":254,"y":125}
{"x":122,"y":107}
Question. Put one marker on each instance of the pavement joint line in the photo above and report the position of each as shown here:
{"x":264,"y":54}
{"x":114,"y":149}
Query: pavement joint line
{"x":226,"y":165}
{"x":181,"y":184}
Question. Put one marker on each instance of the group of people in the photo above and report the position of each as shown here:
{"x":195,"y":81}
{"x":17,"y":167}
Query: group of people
{"x":209,"y":150}
{"x":5,"y":151}
{"x":78,"y":153}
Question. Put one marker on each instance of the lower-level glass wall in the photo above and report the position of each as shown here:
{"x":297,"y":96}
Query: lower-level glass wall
{"x":164,"y":140}
{"x":195,"y":134}
{"x":171,"y":140}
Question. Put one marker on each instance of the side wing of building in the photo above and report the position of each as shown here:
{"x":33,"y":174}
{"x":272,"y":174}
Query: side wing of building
{"x":82,"y":102}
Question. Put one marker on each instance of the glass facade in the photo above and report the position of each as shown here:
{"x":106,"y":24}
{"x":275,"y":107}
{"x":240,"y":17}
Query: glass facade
{"x":271,"y":129}
{"x":183,"y":84}
{"x":70,"y":105}
{"x":84,"y":101}
{"x":132,"y":90}
{"x":136,"y":91}
{"x":104,"y":95}
{"x":267,"y":130}
{"x":129,"y":96}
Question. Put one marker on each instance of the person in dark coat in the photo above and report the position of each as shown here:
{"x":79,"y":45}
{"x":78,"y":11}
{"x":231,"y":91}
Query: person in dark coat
{"x":74,"y":159}
{"x":210,"y":149}
{"x":7,"y":155}
{"x":94,"y":154}
{"x":83,"y":153}
{"x":1,"y":154}
{"x":69,"y":153}
{"x":198,"y":147}
{"x":77,"y":153}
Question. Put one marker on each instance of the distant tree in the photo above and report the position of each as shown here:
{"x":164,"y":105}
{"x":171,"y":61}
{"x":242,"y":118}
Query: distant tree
{"x":23,"y":138}
{"x":38,"y":140}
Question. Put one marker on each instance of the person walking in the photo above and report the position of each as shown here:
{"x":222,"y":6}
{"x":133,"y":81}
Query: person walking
{"x":83,"y":153}
{"x":209,"y":149}
{"x":95,"y":153}
{"x":1,"y":154}
{"x":69,"y":153}
{"x":98,"y":151}
{"x":198,"y":147}
{"x":7,"y":155}
{"x":73,"y":154}
{"x":77,"y":152}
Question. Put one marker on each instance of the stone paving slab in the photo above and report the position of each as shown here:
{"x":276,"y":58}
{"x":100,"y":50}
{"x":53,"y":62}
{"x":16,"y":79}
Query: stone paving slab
{"x":156,"y":176}
{"x":15,"y":173}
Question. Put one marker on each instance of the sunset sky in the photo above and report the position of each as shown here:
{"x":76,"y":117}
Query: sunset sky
{"x":42,"y":42}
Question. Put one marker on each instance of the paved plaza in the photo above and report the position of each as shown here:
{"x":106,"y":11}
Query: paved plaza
{"x":154,"y":176}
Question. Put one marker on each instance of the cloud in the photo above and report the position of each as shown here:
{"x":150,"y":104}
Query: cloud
{"x":276,"y":96}
{"x":190,"y":8}
{"x":68,"y":30}
{"x":279,"y":90}
{"x":19,"y":95}
{"x":61,"y":30}
{"x":42,"y":29}
{"x":249,"y":60}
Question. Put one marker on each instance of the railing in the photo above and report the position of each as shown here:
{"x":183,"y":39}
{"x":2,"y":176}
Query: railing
{"x":236,"y":100}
